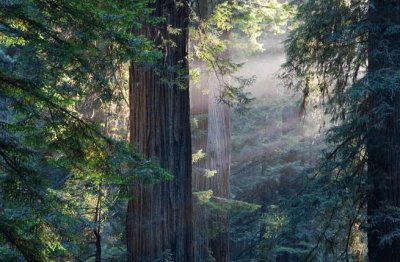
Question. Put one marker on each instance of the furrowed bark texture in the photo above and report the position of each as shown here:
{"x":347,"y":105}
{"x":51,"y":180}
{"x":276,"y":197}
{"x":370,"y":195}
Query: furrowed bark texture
{"x":159,"y":220}
{"x":383,"y":145}
{"x":219,"y":152}
{"x":199,"y":113}
{"x":214,"y":137}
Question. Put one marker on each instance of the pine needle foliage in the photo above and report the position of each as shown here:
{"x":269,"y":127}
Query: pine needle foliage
{"x":53,"y":55}
{"x":329,"y":58}
{"x":224,"y":32}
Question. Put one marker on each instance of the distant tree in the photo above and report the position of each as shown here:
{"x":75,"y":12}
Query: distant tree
{"x":217,"y":31}
{"x":211,"y":135}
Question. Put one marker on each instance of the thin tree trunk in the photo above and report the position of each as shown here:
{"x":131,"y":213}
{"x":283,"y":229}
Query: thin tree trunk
{"x":383,"y":146}
{"x":97,"y":230}
{"x":159,"y":221}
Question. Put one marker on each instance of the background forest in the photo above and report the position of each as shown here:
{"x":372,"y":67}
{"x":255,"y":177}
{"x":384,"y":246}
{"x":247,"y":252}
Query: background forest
{"x":204,"y":130}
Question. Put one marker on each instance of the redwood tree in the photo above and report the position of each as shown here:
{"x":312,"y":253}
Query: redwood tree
{"x":213,"y":136}
{"x":159,"y":220}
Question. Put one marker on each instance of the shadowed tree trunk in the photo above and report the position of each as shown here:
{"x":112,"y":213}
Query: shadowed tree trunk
{"x":159,"y":221}
{"x":383,"y":146}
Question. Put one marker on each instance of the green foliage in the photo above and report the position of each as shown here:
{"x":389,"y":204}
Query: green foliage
{"x":327,"y":57}
{"x":218,"y":34}
{"x":210,"y":173}
{"x":53,"y":56}
{"x":250,"y":19}
{"x":273,"y":156}
{"x":322,"y":63}
{"x":219,"y":208}
{"x":219,"y":204}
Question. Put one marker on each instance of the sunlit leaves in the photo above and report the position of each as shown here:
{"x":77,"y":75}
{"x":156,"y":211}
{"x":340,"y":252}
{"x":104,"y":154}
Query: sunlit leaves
{"x":11,"y":41}
{"x":199,"y":155}
{"x":53,"y":56}
{"x":217,"y":40}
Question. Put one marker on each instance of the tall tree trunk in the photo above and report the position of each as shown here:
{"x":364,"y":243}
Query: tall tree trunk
{"x":219,"y":152}
{"x":199,"y":112}
{"x":159,"y":220}
{"x":213,"y":136}
{"x":383,"y":145}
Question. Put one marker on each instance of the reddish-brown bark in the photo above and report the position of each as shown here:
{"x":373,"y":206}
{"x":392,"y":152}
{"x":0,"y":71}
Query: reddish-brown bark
{"x":159,"y":220}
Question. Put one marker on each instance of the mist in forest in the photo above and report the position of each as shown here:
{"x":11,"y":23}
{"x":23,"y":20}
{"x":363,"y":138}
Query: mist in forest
{"x":265,"y":66}
{"x":272,"y":143}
